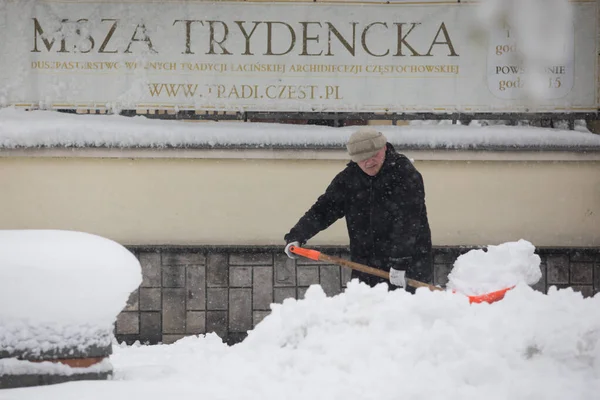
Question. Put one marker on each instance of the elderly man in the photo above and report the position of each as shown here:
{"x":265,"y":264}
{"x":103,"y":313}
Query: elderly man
{"x":382,"y":196}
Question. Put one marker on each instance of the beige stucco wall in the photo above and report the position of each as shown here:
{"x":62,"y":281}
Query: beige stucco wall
{"x":254,"y":201}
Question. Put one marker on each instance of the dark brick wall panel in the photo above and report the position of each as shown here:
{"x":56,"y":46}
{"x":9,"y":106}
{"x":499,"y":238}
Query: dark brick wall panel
{"x":229,"y":290}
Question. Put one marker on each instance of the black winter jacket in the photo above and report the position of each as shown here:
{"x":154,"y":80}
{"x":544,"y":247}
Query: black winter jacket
{"x":385,"y":215}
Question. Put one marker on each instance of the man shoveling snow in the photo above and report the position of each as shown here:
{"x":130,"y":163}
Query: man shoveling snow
{"x":382,"y":196}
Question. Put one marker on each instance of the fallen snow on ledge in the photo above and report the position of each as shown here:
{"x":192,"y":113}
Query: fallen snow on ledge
{"x":31,"y":129}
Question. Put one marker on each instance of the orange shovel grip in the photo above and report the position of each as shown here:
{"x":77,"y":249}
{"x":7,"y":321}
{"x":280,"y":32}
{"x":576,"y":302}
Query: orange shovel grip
{"x":308,"y":253}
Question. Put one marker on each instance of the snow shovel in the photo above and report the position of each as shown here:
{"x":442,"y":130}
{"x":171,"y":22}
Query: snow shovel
{"x":318,"y":256}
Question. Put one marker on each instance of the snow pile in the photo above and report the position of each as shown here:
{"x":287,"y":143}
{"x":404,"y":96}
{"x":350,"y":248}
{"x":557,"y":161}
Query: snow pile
{"x":374,"y":344}
{"x":61,"y":289}
{"x":502,"y":266}
{"x":370,"y":343}
{"x":19,"y":128}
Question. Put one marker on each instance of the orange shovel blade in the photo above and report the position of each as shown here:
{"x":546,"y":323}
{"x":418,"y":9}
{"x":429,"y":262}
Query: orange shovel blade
{"x":489,"y":297}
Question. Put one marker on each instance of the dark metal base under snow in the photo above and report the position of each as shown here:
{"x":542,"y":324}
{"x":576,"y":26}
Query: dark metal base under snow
{"x":18,"y":381}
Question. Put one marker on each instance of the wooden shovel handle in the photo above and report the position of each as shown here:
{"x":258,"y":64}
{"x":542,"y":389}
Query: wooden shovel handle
{"x":318,"y":256}
{"x":418,"y":284}
{"x":356,"y":266}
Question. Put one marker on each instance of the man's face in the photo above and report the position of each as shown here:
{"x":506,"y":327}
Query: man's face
{"x":371,"y":166}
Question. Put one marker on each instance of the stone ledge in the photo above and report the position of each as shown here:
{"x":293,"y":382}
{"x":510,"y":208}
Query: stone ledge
{"x":233,"y":291}
{"x":502,"y":154}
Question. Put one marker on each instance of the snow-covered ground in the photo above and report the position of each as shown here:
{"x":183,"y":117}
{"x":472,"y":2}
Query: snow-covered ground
{"x":373,"y":344}
{"x":368,"y":343}
{"x":19,"y":129}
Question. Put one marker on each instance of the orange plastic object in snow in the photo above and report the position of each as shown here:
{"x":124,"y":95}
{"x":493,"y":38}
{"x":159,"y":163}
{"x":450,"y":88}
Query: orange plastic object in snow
{"x":318,"y":256}
{"x":489,"y":297}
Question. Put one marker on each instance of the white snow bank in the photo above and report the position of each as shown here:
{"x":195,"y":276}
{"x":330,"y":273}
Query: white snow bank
{"x":497,"y":267}
{"x":61,"y":288}
{"x":64,"y":276}
{"x":19,"y":128}
{"x":374,"y":344}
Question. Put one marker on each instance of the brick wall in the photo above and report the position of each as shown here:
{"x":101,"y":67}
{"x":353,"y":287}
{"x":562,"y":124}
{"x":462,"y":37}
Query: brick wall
{"x":188,"y":291}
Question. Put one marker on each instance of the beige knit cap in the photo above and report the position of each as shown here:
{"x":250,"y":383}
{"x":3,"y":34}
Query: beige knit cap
{"x":365,"y":143}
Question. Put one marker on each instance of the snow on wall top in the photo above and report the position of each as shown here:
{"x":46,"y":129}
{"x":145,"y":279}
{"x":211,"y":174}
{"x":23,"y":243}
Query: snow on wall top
{"x":31,"y":129}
